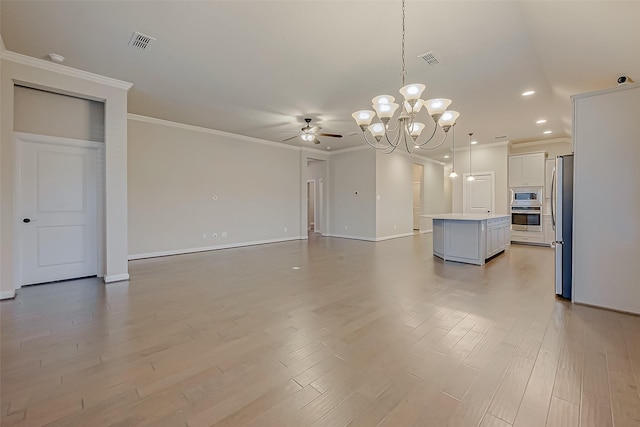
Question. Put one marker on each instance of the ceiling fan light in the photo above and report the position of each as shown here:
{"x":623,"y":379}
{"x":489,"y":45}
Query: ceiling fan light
{"x":412,"y":91}
{"x":308,"y":137}
{"x":385,"y":111}
{"x":363,"y":118}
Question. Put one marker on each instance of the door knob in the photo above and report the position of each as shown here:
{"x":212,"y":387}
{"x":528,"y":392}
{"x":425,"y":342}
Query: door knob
{"x":26,"y":220}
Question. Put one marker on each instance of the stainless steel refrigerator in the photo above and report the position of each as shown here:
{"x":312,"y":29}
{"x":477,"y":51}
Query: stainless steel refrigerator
{"x":562,"y":217}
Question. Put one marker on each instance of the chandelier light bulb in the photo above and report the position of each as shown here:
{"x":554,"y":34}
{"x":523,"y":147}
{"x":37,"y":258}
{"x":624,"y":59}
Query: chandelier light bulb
{"x":377,"y":130}
{"x":385,"y":111}
{"x":453,"y":174}
{"x":308,"y":137}
{"x":412,"y":91}
{"x":470,"y":178}
{"x":363,"y":118}
{"x":383,"y":99}
{"x":415,"y":129}
{"x":448,"y":119}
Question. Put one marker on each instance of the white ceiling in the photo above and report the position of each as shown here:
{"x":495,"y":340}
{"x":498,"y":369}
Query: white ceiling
{"x":258,"y":68}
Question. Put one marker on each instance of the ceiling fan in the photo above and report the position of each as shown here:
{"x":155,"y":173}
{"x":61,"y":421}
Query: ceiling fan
{"x":310,"y":133}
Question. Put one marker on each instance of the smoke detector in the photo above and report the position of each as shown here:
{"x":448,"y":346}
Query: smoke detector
{"x":140,"y":41}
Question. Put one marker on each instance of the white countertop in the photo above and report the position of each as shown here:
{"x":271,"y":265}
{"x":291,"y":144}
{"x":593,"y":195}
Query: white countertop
{"x":465,"y":217}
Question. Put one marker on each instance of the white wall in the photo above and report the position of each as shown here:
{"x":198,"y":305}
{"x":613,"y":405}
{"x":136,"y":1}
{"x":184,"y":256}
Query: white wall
{"x":448,"y":188}
{"x":176,"y":170}
{"x":489,"y":158}
{"x":606,"y":231}
{"x":47,"y":113}
{"x":350,"y":214}
{"x":394,"y":195}
{"x":57,"y":78}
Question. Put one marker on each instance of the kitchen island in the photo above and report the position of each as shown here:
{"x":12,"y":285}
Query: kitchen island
{"x":469,"y":238}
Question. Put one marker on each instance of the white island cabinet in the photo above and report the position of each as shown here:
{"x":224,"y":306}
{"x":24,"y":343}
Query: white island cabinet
{"x":470,"y":238}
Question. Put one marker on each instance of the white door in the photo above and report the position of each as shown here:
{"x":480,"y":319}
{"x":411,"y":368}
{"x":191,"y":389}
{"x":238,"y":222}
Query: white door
{"x":479,"y":194}
{"x":58,"y":208}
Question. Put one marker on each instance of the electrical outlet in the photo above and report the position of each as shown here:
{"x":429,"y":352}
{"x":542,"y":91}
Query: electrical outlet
{"x":346,"y":227}
{"x":204,"y":236}
{"x":286,"y":229}
{"x":394,"y":226}
{"x":214,"y":235}
{"x":223,"y":234}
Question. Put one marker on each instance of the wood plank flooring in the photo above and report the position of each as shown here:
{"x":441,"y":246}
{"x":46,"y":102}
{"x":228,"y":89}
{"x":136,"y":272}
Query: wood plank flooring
{"x":362,"y":334}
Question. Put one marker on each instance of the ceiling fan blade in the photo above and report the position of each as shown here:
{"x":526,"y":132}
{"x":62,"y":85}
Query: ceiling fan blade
{"x":332,"y":135}
{"x":289,"y":139}
{"x":315,"y":129}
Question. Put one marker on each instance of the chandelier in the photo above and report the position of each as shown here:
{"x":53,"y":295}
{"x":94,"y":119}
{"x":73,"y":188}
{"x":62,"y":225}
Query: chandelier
{"x":406,"y":129}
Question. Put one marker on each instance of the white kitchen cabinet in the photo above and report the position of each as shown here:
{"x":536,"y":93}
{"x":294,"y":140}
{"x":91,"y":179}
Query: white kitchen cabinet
{"x":527,"y":170}
{"x":469,"y":238}
{"x":529,"y":237}
{"x":498,"y":235}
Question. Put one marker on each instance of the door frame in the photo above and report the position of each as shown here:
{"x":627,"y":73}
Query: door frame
{"x":493,"y":189}
{"x":315,"y":205}
{"x":19,"y":139}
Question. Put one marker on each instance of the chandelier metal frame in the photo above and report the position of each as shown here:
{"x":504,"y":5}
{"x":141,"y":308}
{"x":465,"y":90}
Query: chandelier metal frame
{"x":407,"y":129}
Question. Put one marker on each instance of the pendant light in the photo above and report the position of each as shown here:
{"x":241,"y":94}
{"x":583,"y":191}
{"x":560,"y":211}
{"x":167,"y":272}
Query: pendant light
{"x":453,"y":173}
{"x":470,"y":177}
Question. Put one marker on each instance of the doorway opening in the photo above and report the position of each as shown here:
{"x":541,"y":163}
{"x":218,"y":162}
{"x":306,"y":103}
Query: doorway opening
{"x":418,"y":196}
{"x":316,"y":175}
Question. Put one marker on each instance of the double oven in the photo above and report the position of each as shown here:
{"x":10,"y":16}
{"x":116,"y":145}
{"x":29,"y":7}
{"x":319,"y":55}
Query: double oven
{"x":526,"y":209}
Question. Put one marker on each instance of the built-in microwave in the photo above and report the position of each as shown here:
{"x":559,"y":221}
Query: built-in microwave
{"x":526,"y":196}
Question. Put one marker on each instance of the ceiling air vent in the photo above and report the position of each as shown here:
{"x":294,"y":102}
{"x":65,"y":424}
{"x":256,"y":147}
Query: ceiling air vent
{"x":140,"y":41}
{"x":429,"y":58}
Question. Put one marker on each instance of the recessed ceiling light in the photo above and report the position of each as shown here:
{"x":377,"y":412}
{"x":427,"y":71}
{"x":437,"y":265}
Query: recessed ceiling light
{"x":474,"y":142}
{"x":541,"y":121}
{"x":446,"y":156}
{"x":546,"y":132}
{"x":328,"y":148}
{"x":528,"y":93}
{"x":416,"y":146}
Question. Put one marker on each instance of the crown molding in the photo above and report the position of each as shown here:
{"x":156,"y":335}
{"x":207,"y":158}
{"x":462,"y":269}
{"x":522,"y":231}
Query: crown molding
{"x":562,"y":140}
{"x":608,"y":90}
{"x":63,"y":69}
{"x":200,"y":129}
{"x":486,"y":145}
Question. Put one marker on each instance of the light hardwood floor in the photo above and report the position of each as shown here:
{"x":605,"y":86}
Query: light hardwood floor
{"x":362,"y":334}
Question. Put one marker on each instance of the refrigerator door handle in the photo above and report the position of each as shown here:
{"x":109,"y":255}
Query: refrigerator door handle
{"x":553,"y":196}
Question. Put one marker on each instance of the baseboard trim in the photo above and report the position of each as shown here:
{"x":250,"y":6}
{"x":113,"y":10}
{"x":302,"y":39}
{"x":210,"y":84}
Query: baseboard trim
{"x":116,"y":278}
{"x":395,"y":236}
{"x":347,"y":236}
{"x":212,"y":248}
{"x":8,"y":294}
